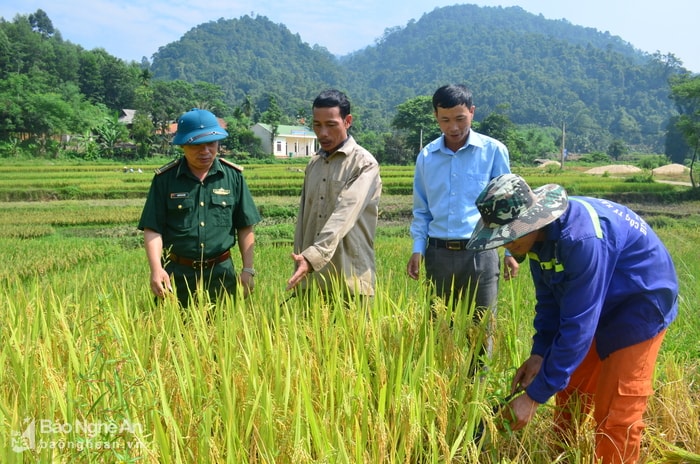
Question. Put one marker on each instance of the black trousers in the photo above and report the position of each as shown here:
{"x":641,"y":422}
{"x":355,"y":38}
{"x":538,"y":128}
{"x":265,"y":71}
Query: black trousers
{"x":217,"y":281}
{"x":470,"y":277}
{"x":464,"y":275}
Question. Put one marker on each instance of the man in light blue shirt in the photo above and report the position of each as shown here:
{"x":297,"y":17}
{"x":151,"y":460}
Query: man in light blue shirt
{"x":451,"y":171}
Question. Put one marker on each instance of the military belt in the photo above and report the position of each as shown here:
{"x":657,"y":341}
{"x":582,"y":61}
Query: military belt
{"x":200,"y":263}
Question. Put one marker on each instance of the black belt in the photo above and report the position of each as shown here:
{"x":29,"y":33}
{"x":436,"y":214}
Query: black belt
{"x":200,"y":263}
{"x":455,"y":245}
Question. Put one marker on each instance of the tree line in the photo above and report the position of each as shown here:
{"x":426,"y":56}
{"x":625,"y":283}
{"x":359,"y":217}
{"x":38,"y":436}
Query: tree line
{"x":251,"y":70}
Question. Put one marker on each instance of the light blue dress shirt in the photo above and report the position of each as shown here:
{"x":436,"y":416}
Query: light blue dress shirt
{"x":446,"y":185}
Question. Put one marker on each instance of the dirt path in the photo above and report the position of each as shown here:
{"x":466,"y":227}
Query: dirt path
{"x":674,"y":182}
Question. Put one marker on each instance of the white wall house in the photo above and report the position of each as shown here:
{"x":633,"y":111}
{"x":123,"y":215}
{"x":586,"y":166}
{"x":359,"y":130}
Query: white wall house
{"x":290,"y":141}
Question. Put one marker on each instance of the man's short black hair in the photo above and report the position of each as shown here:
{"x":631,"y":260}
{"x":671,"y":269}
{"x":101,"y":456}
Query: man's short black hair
{"x":451,"y":95}
{"x":330,"y":99}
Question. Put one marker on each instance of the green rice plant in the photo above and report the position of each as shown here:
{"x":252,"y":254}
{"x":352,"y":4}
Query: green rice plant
{"x":26,"y":231}
{"x":111,"y":180}
{"x":268,"y":381}
{"x":108,"y":376}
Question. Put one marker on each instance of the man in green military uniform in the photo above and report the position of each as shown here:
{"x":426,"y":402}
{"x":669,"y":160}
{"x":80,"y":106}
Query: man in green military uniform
{"x":197,"y":208}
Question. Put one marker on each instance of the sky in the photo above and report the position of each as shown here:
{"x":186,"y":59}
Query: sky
{"x":132,"y":29}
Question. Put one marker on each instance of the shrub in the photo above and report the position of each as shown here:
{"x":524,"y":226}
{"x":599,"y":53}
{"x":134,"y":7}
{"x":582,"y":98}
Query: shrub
{"x":642,"y":178}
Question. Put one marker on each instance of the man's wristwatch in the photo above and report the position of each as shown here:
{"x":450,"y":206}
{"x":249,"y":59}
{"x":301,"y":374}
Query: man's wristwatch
{"x":249,"y":270}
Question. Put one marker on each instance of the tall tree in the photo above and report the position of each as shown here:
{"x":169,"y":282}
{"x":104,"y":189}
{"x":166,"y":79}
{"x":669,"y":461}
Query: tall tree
{"x":142,"y":131}
{"x":165,"y":101}
{"x":242,"y":141}
{"x":616,"y":149}
{"x":676,"y":146}
{"x":273,"y":117}
{"x":500,"y":127}
{"x":685,"y":92}
{"x":417,"y":118}
{"x":396,"y":150}
{"x":210,"y":97}
{"x":41,"y":23}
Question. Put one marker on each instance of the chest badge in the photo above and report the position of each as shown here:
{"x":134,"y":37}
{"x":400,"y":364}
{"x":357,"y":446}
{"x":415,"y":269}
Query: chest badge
{"x":221,"y":191}
{"x":179,"y":195}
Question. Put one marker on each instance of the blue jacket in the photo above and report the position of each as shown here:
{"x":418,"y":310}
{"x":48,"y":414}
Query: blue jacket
{"x":602,"y":272}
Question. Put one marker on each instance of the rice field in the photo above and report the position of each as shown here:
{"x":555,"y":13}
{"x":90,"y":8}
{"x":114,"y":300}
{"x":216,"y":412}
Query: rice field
{"x":92,"y":371}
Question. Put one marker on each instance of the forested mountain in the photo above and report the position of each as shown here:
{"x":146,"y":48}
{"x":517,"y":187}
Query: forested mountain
{"x":539,"y":74}
{"x":250,"y":57}
{"x":537,"y":71}
{"x":542,"y":72}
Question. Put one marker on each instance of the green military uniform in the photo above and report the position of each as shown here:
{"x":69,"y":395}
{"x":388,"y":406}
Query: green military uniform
{"x":198,"y":222}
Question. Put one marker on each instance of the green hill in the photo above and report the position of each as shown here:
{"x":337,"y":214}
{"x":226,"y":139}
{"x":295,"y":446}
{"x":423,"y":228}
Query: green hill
{"x":538,"y":71}
{"x":534,"y":72}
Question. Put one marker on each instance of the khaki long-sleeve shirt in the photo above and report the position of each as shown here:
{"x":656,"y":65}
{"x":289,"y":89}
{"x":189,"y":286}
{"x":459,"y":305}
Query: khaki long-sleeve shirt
{"x":337,"y":220}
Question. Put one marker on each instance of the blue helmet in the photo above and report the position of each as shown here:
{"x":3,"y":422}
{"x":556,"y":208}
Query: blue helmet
{"x":198,"y":126}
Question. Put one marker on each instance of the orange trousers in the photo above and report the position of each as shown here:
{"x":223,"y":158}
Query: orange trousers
{"x":617,"y":388}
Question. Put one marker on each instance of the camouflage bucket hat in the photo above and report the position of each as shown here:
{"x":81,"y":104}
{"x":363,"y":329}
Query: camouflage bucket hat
{"x":510,"y":209}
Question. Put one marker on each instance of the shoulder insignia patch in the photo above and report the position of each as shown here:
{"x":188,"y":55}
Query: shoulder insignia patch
{"x":168,"y":166}
{"x":237,"y":167}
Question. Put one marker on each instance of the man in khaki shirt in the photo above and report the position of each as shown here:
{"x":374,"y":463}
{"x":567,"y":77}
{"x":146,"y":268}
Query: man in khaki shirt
{"x":334,"y":238}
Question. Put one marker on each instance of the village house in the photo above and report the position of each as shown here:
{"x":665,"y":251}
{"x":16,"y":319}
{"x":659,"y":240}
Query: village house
{"x":290,"y":141}
{"x":126,"y":117}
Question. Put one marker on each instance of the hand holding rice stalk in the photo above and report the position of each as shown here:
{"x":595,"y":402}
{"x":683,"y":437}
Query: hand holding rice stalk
{"x":500,"y":409}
